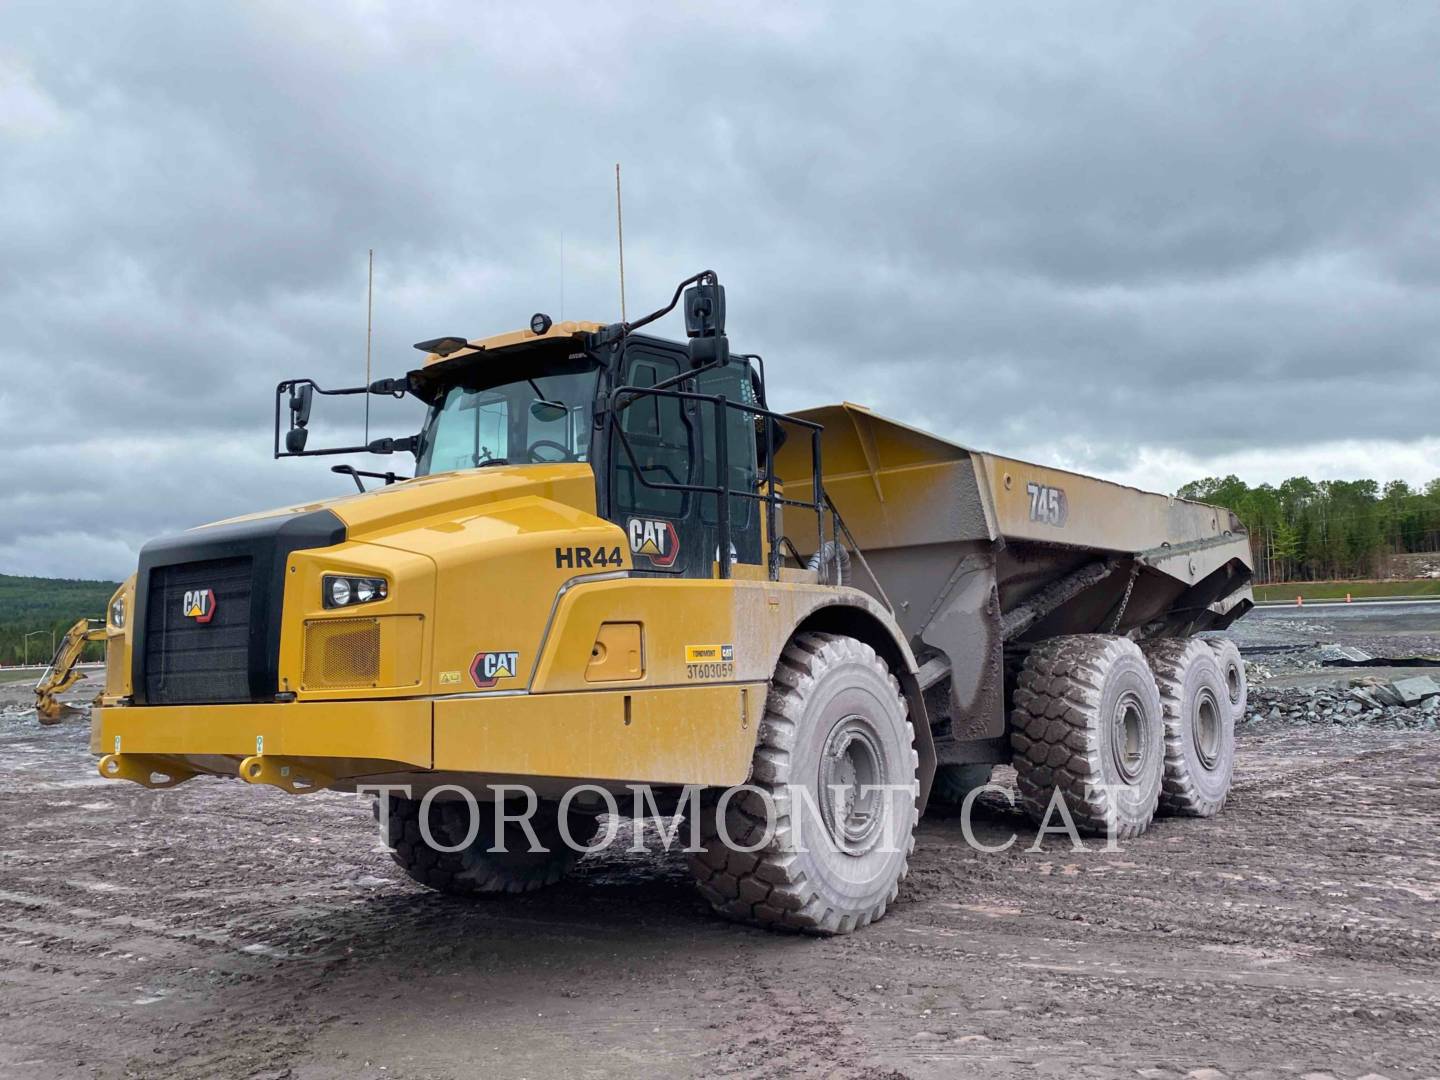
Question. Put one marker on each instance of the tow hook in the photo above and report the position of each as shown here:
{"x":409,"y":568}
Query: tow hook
{"x":144,"y":770}
{"x":287,"y":774}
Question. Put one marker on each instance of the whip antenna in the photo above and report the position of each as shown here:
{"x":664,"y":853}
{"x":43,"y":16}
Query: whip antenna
{"x":369,"y":329}
{"x":620,"y":234}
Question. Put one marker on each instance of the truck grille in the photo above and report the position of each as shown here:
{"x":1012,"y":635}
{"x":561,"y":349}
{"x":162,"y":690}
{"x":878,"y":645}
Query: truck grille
{"x":188,"y":662}
{"x":232,"y":655}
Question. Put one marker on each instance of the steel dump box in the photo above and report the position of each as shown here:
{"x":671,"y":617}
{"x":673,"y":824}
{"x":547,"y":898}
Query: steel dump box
{"x":979,"y":555}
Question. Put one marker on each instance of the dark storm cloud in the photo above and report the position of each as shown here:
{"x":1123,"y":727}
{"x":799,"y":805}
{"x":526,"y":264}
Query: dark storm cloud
{"x":1112,"y":234}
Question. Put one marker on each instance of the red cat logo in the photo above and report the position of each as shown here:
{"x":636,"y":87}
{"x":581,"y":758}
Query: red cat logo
{"x":199,"y":604}
{"x":655,"y":539}
{"x":488,"y":668}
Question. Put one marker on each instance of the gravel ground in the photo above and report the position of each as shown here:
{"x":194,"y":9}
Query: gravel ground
{"x":224,"y":931}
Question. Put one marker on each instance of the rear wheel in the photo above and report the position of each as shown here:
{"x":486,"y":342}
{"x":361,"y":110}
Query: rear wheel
{"x":1087,"y":723}
{"x":474,"y":870}
{"x":836,"y":764}
{"x":1232,"y":670}
{"x":1199,"y":726}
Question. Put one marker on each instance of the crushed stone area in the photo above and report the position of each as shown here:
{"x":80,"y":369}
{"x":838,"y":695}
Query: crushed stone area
{"x":219,"y":930}
{"x":1328,"y":664}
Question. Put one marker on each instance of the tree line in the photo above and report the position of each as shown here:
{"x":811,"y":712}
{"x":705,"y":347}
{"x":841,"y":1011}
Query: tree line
{"x":34,"y":607}
{"x":1307,"y":530}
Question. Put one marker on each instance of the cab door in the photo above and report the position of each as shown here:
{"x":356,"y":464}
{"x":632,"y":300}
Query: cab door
{"x":660,"y":445}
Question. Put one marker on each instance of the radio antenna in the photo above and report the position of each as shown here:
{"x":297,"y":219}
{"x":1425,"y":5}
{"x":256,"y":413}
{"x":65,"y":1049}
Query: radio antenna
{"x":562,"y":276}
{"x":369,"y":330}
{"x":620,"y":235}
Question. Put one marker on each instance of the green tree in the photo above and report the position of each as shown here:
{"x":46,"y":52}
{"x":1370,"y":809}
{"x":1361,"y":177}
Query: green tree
{"x":1307,"y":530}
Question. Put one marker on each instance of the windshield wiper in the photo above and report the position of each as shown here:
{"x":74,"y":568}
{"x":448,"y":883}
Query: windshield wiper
{"x":492,"y":461}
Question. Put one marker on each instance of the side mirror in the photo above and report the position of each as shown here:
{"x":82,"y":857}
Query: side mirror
{"x":302,"y":395}
{"x":709,"y":350}
{"x":705,"y":310}
{"x":548,"y":412}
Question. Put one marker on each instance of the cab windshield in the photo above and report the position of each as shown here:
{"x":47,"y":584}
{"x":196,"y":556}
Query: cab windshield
{"x":532,"y":412}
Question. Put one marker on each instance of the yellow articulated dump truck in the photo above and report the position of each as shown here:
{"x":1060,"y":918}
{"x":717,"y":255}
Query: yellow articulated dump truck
{"x":616,"y":567}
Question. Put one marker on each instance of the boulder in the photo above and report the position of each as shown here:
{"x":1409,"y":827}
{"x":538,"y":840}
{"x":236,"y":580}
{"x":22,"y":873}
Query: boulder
{"x":1414,"y":690}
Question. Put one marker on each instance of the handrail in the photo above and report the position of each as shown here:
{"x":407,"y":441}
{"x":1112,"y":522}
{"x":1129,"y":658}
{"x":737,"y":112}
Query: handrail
{"x":722,"y":490}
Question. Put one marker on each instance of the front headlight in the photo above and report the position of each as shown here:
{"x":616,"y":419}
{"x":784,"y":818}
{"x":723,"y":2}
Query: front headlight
{"x":348,"y":591}
{"x":117,"y":612}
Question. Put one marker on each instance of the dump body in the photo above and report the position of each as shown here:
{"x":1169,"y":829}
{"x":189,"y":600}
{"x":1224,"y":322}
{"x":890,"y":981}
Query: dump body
{"x":979,"y":555}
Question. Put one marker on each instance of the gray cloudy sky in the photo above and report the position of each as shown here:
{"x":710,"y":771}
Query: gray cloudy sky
{"x":1150,"y":240}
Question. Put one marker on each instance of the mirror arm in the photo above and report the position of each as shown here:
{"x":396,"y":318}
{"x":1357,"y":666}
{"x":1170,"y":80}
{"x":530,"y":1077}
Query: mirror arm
{"x":704,"y":275}
{"x":300,"y":393}
{"x":409,"y":444}
{"x":396,"y":388}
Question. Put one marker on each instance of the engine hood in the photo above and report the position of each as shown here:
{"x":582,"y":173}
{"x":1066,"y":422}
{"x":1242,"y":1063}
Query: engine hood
{"x":443,"y":500}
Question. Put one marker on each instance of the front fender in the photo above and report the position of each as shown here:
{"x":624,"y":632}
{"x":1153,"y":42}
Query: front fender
{"x":708,"y":632}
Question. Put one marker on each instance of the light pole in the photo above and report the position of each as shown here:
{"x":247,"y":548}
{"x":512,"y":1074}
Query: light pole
{"x":27,"y":643}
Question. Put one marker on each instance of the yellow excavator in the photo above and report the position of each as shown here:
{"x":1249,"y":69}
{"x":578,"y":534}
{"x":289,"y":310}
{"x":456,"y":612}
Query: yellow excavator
{"x":63,"y":672}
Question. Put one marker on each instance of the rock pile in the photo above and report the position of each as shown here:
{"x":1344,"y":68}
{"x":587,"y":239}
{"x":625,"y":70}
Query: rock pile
{"x":1404,"y":703}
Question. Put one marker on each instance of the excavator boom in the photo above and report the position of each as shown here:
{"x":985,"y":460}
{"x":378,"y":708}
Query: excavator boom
{"x":62,"y":673}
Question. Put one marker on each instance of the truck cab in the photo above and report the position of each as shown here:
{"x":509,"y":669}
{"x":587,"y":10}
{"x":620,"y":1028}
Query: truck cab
{"x":567,"y":396}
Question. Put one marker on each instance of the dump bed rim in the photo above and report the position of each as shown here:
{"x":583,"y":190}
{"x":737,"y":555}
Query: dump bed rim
{"x":815,"y":413}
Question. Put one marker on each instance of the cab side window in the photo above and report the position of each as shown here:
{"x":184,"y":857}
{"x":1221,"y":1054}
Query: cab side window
{"x":661,"y":441}
{"x":733,"y":381}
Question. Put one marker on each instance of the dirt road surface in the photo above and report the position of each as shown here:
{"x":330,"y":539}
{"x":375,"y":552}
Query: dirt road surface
{"x":224,"y":931}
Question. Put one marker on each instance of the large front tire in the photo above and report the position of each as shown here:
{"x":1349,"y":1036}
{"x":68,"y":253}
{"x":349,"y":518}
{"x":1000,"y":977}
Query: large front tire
{"x":1087,"y":723}
{"x":836,"y":739}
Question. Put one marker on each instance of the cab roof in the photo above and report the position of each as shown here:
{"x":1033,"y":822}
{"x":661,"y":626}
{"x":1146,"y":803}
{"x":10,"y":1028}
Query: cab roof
{"x":558,"y":331}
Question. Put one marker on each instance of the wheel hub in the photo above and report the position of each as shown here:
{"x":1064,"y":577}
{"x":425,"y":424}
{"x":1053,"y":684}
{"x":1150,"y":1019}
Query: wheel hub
{"x":852,"y":774}
{"x":1127,"y":738}
{"x":1206,"y":728}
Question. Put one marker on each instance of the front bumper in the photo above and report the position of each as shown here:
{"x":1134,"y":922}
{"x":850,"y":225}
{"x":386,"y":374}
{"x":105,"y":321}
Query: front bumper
{"x":670,"y":735}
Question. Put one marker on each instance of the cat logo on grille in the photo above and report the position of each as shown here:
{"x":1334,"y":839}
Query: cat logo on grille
{"x":488,"y":668}
{"x":199,"y":604}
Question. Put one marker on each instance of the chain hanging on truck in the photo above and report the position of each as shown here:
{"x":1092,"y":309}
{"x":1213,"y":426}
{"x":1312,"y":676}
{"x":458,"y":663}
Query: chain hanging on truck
{"x":1125,"y":600}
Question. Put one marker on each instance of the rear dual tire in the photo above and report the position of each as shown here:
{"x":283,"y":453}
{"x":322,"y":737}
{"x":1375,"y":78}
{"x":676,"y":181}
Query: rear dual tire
{"x":1200,"y":705}
{"x":1124,"y":732}
{"x":1232,"y":670}
{"x":1087,"y":724}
